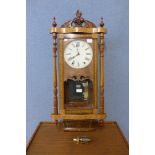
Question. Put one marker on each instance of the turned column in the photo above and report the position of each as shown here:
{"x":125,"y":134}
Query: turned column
{"x":55,"y":102}
{"x":101,"y":69}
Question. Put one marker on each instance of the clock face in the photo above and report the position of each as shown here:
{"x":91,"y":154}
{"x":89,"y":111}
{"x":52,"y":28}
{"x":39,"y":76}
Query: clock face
{"x":78,"y":54}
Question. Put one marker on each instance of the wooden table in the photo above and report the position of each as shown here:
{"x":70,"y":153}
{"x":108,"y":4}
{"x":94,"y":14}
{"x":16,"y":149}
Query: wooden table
{"x":49,"y":139}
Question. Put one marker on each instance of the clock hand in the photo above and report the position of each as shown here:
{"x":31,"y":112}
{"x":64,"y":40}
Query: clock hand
{"x":73,"y":56}
{"x":78,"y":53}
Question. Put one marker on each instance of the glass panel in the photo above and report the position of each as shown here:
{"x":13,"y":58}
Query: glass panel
{"x":78,"y":92}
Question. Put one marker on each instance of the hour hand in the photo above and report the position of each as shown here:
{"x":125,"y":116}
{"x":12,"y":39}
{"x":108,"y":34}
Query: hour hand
{"x":78,"y":53}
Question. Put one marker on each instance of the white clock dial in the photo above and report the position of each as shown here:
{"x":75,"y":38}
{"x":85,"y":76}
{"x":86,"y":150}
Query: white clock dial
{"x":78,"y":54}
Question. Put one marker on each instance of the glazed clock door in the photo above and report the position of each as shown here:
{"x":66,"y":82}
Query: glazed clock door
{"x":79,"y":76}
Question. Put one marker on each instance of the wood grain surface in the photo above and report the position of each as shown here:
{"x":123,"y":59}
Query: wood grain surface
{"x":50,"y":139}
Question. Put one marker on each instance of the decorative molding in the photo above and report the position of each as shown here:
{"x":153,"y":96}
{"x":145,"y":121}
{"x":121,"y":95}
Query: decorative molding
{"x":78,"y":117}
{"x":78,"y":30}
{"x":78,"y":21}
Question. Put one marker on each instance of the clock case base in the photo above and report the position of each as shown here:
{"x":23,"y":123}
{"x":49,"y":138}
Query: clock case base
{"x":80,"y":125}
{"x":87,"y":122}
{"x":78,"y":117}
{"x":76,"y":125}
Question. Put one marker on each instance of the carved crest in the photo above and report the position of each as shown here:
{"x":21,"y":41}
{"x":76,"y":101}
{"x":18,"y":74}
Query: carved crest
{"x":79,"y":21}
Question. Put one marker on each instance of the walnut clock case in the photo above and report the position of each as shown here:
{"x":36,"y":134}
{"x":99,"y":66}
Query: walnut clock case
{"x":78,"y":46}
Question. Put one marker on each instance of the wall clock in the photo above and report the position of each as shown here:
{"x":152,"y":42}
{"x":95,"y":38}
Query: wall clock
{"x":78,"y":50}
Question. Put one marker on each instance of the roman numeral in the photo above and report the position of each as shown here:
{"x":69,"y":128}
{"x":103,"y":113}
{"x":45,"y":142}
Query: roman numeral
{"x":70,"y":58}
{"x":68,"y":53}
{"x":73,"y":45}
{"x":88,"y":53}
{"x":73,"y":62}
{"x":86,"y":58}
{"x":77,"y":44}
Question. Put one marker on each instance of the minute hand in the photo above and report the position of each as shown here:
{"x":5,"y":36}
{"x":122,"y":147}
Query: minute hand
{"x":73,"y":56}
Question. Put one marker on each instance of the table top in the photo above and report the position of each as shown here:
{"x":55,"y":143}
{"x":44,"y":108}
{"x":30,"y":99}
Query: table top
{"x":49,"y":139}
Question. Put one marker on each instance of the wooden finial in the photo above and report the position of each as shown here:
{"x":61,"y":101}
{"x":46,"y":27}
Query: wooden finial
{"x":54,"y":24}
{"x":78,"y":20}
{"x":78,"y":14}
{"x":101,"y":22}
